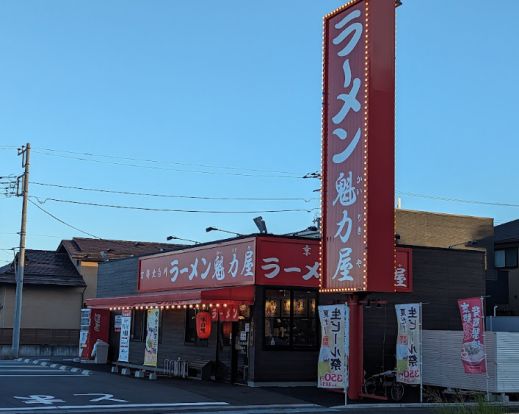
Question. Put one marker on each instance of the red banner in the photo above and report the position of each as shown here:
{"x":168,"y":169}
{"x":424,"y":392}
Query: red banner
{"x":473,"y":353}
{"x":403,"y":281}
{"x":358,"y":131}
{"x":218,"y":265}
{"x":288,"y":262}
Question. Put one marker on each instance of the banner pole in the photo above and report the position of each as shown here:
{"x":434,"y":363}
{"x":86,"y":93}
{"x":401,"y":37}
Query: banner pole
{"x":421,"y":356}
{"x":485,"y":346}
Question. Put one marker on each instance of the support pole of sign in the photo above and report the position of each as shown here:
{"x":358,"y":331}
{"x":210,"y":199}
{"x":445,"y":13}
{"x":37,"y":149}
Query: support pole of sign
{"x":485,"y":346}
{"x":356,"y":364}
{"x":346,"y":361}
{"x":421,"y":356}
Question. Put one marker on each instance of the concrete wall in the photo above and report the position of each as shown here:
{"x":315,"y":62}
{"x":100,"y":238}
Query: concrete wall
{"x":49,"y":307}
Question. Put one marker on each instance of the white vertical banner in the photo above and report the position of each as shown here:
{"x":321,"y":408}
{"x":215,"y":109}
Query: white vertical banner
{"x":333,"y":356}
{"x":408,"y":343}
{"x":124,"y":340}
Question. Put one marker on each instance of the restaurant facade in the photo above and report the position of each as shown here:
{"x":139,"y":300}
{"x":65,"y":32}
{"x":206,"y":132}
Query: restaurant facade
{"x":255,"y":297}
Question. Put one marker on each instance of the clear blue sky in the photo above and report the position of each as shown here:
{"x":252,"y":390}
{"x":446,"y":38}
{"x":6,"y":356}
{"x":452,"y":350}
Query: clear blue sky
{"x":236,"y":85}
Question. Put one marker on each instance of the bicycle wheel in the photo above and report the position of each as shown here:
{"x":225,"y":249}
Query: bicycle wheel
{"x":370,"y":386}
{"x":397,"y":391}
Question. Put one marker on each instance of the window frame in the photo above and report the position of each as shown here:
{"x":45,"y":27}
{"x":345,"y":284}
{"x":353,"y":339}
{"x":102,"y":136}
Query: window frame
{"x":508,"y":256}
{"x":293,"y":291}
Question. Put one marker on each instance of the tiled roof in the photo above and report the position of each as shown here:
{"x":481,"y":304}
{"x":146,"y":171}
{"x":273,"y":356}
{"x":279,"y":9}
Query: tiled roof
{"x":44,"y":267}
{"x":98,"y":250}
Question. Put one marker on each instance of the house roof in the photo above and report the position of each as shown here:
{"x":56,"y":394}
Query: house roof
{"x":44,"y":267}
{"x":507,"y":232}
{"x":99,"y":250}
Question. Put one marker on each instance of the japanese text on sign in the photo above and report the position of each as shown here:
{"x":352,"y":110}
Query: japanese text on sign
{"x":408,"y":347}
{"x":473,"y":353}
{"x":333,"y":355}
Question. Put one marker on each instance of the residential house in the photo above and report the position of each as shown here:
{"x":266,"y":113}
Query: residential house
{"x":53,"y":294}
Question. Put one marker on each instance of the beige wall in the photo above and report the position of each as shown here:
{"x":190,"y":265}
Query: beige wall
{"x":43,"y":307}
{"x":89,"y":272}
{"x":420,"y":228}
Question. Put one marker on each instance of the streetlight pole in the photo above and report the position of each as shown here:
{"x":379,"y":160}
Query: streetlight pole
{"x":25,"y":152}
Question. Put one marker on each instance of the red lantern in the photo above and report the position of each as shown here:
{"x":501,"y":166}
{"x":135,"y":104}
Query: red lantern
{"x":227,"y":328}
{"x":203,"y":325}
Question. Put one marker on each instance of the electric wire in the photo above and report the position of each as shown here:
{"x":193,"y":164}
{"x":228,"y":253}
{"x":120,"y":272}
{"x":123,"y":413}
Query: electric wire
{"x":154,"y":167}
{"x":457,"y":200}
{"x":226,"y":167}
{"x":61,"y":221}
{"x":104,"y":190}
{"x":173,"y":210}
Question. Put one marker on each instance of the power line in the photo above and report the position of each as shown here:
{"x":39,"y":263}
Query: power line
{"x":225,"y":167}
{"x":153,"y":167}
{"x":34,"y":235}
{"x":458,"y":200}
{"x":173,"y":210}
{"x":63,"y":222}
{"x":102,"y":190}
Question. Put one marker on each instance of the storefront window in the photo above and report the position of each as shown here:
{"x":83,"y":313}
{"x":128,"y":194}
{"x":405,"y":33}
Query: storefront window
{"x":290,"y":319}
{"x":139,"y":325}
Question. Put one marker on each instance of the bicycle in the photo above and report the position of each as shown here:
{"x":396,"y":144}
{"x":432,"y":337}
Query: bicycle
{"x":384,"y":381}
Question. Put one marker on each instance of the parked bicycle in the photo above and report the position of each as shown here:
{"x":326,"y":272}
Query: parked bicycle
{"x":383,"y":386}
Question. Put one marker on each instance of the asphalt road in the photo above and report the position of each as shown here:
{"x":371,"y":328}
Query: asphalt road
{"x":26,"y":387}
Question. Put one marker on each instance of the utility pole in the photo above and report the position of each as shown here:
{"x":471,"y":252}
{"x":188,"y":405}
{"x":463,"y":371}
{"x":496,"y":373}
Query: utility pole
{"x":25,"y":152}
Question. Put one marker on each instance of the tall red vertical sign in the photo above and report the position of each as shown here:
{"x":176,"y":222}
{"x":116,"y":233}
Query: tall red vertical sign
{"x":358,"y":248}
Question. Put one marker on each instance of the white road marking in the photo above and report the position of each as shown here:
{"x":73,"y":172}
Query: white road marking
{"x":104,"y":397}
{"x":45,"y":375}
{"x":108,"y":406}
{"x":30,"y":370}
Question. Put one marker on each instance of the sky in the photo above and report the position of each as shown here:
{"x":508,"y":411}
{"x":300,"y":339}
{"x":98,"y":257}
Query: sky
{"x":223,"y":100}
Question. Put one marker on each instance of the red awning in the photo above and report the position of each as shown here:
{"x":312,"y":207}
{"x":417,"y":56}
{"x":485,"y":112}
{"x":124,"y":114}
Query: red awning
{"x":242,"y":295}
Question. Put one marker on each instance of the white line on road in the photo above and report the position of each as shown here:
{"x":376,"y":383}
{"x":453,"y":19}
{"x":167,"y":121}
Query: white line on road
{"x":45,"y":375}
{"x":30,"y":370}
{"x":107,"y":406}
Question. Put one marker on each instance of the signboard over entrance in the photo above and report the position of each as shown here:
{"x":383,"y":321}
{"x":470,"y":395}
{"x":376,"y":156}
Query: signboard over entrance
{"x":261,"y":260}
{"x":358,"y":147}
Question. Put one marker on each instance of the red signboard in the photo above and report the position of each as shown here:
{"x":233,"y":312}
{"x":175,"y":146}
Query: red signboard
{"x":264,"y":260}
{"x":225,"y":314}
{"x":473,"y":353}
{"x":219,"y":265}
{"x":287,"y":262}
{"x":358,"y":147}
{"x":403,"y":281}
